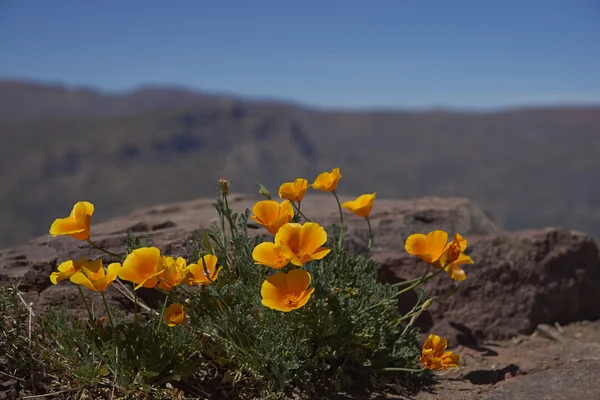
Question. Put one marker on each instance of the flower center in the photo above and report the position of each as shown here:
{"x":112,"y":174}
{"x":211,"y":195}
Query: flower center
{"x":453,"y":252}
{"x":291,"y":300}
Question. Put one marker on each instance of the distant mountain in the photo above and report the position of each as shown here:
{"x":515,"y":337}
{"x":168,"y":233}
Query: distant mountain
{"x":58,"y":145}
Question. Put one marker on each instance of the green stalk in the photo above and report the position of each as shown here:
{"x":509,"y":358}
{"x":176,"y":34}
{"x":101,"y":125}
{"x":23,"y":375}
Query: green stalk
{"x":341,"y":221}
{"x":370,"y":236}
{"x":157,"y":328}
{"x":418,"y":282}
{"x":85,"y":303}
{"x":94,"y":245}
{"x":297,"y":207}
{"x":107,"y":310}
{"x":135,"y":305}
{"x":389,"y":369}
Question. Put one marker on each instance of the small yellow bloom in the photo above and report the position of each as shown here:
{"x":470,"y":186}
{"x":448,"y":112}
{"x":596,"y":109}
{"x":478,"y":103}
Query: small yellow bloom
{"x":174,"y":271}
{"x":270,"y":254}
{"x":66,"y":270}
{"x":302,"y":243}
{"x":76,"y":225}
{"x":174,"y":314}
{"x":142,"y":267}
{"x":327,"y":181}
{"x":272,"y":215}
{"x":293,"y":191}
{"x":362,"y":205}
{"x":286,"y":292}
{"x":435,"y":357}
{"x":94,"y":277}
{"x":433,"y":249}
{"x":196,"y":274}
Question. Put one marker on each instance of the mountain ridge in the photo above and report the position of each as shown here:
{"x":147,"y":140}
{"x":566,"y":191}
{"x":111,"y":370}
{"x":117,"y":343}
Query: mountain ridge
{"x":529,"y":167}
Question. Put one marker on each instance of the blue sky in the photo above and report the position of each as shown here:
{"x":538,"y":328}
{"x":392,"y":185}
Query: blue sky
{"x":350,"y":54}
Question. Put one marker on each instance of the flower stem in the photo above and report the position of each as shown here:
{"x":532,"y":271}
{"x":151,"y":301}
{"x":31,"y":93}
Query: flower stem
{"x":390,"y":369}
{"x":297,"y":207}
{"x":107,"y":309}
{"x":341,"y":239}
{"x":228,"y":215}
{"x":370,"y":237}
{"x":157,"y":328}
{"x":85,"y":303}
{"x":94,"y":245}
{"x":427,"y":276}
{"x":135,"y":305}
{"x":420,"y":281}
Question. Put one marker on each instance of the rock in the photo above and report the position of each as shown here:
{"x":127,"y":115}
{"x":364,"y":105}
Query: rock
{"x":576,"y":380}
{"x":519,"y":280}
{"x":560,"y":365}
{"x":172,"y":227}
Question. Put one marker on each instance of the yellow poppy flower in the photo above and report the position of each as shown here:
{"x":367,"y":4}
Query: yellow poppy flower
{"x":362,"y":205}
{"x":196,"y":274}
{"x":302,"y":243}
{"x":174,"y":314}
{"x":94,"y":277}
{"x":66,"y":270}
{"x":272,"y":215}
{"x":428,"y":248}
{"x":76,"y":225}
{"x":142,"y":267}
{"x":434,"y":355}
{"x":174,"y":271}
{"x":293,"y":191}
{"x":327,"y":181}
{"x":270,"y":254}
{"x":433,"y":249}
{"x":286,"y":292}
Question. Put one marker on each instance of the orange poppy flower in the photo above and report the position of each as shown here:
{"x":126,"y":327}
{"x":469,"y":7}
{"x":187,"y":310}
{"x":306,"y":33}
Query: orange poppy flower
{"x":66,"y":270}
{"x":433,"y":249}
{"x":293,"y":191}
{"x":174,"y":314}
{"x":327,"y":181}
{"x":142,"y":267}
{"x":174,"y":271}
{"x":196,"y":274}
{"x":302,"y":243}
{"x":94,"y":277}
{"x":76,"y":225}
{"x":434,"y":355}
{"x":270,"y":254}
{"x":286,"y":292}
{"x":362,"y":205}
{"x":272,"y":215}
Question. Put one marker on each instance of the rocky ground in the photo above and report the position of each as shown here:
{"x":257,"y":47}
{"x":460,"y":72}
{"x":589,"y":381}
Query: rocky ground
{"x":521,"y":320}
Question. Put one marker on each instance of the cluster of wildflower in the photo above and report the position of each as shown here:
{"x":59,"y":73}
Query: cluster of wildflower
{"x":143,"y":267}
{"x":293,"y":243}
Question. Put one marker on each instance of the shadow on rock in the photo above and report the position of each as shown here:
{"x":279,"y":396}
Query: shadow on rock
{"x":467,"y":338}
{"x":490,"y":377}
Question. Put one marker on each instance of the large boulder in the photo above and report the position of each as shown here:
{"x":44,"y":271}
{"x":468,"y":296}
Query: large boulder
{"x":519,"y":280}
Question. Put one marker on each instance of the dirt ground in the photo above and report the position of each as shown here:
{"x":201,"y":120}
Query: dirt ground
{"x":503,"y":369}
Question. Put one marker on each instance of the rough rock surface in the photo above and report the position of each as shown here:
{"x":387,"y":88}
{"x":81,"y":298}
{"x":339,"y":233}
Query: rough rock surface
{"x":520,"y":280}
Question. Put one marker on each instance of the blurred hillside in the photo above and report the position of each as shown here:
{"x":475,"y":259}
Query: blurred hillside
{"x":528,"y":167}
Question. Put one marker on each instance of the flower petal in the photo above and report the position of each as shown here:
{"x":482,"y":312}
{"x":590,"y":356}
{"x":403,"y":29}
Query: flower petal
{"x":312,"y":237}
{"x":269,"y":254}
{"x":297,"y":281}
{"x":80,"y":279}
